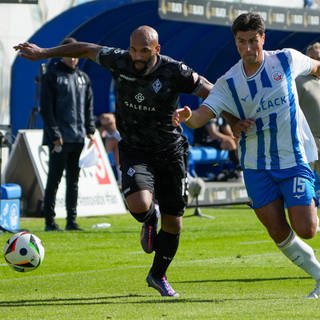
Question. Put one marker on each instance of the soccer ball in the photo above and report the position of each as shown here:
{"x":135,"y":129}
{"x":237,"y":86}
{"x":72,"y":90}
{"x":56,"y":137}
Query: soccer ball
{"x":24,"y":251}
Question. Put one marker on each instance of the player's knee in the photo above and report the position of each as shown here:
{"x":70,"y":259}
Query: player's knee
{"x":138,"y":205}
{"x":172,"y":224}
{"x":139,"y":202}
{"x":307,"y":231}
{"x":145,"y":215}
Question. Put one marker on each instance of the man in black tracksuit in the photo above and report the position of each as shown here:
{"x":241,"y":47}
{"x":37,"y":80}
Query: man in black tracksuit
{"x":152,"y":151}
{"x":67,"y":112}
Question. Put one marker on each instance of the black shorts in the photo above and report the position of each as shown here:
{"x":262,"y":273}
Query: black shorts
{"x":164,"y":178}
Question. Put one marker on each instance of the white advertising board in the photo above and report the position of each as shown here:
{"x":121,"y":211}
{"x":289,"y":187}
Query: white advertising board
{"x":98,"y":190}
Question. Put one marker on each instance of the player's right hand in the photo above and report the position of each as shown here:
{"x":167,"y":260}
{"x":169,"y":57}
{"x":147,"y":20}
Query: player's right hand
{"x":29,"y":51}
{"x":242,"y":126}
{"x":181,"y":115}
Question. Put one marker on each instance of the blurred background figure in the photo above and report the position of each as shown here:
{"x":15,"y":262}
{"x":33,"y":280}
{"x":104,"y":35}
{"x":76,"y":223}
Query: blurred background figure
{"x":308,"y":3}
{"x":110,"y":135}
{"x":309,"y":98}
{"x":66,"y":106}
{"x":217,"y":133}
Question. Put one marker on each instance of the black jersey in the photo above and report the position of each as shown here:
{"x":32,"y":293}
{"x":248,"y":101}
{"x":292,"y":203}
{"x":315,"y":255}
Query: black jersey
{"x":145,"y":104}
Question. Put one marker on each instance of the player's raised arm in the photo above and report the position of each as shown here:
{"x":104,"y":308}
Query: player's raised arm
{"x":33,"y":52}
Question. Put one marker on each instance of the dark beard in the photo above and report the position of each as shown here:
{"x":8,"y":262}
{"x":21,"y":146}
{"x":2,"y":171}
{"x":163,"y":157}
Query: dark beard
{"x":144,"y":70}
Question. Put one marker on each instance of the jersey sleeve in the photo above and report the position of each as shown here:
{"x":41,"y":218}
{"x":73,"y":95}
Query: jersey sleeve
{"x":185,"y":81}
{"x":108,"y":56}
{"x":219,"y":99}
{"x":300,"y":63}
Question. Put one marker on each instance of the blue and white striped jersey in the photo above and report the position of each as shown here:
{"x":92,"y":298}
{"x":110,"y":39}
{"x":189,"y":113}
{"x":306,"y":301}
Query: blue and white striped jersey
{"x":281,"y":137}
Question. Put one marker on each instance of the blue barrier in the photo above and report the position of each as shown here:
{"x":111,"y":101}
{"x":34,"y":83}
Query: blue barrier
{"x":10,"y":207}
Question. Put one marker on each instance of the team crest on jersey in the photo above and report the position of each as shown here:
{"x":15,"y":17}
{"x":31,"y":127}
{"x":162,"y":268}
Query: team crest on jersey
{"x":277,"y":76}
{"x":139,"y":97}
{"x":131,"y":172}
{"x":157,"y":85}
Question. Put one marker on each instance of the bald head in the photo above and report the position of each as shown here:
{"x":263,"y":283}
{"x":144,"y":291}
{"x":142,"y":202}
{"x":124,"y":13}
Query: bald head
{"x":144,"y":49}
{"x":146,"y":34}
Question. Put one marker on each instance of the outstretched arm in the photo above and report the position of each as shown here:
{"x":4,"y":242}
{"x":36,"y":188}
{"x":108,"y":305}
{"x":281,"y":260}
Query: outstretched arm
{"x":199,"y":117}
{"x":192,"y":118}
{"x":33,"y":52}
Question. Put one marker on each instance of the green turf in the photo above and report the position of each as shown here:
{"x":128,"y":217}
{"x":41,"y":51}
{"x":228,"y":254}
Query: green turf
{"x":226,"y":268}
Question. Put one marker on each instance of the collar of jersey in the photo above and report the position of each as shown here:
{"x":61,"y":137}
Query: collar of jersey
{"x":259,"y":69}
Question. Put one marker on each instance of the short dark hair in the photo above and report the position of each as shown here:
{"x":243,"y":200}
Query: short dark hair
{"x":248,"y":22}
{"x":68,"y":40}
{"x":312,"y":47}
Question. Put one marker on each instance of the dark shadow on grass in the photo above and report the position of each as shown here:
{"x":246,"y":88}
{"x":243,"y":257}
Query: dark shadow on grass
{"x":119,"y":299}
{"x":243,"y":280}
{"x":67,"y":301}
{"x":142,"y":299}
{"x":114,"y":300}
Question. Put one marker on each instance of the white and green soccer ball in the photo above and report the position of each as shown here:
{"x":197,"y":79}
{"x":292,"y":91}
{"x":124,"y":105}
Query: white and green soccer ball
{"x":24,"y":252}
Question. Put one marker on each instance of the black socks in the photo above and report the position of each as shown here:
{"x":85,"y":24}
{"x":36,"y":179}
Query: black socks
{"x":166,"y":247}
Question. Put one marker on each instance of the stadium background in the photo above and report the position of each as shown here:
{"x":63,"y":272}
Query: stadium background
{"x":186,"y":33}
{"x":209,"y":49}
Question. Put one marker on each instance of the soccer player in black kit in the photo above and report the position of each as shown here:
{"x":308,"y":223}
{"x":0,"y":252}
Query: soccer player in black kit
{"x":152,"y":151}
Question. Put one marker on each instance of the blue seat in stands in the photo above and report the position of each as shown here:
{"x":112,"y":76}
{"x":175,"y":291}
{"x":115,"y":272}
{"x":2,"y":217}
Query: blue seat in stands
{"x":204,"y":161}
{"x":209,"y":159}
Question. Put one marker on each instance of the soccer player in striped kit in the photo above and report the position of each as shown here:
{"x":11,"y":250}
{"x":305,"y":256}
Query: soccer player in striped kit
{"x":276,"y":144}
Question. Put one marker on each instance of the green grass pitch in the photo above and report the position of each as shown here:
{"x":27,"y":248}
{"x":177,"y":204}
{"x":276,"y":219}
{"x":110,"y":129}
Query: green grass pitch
{"x":226,"y":268}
